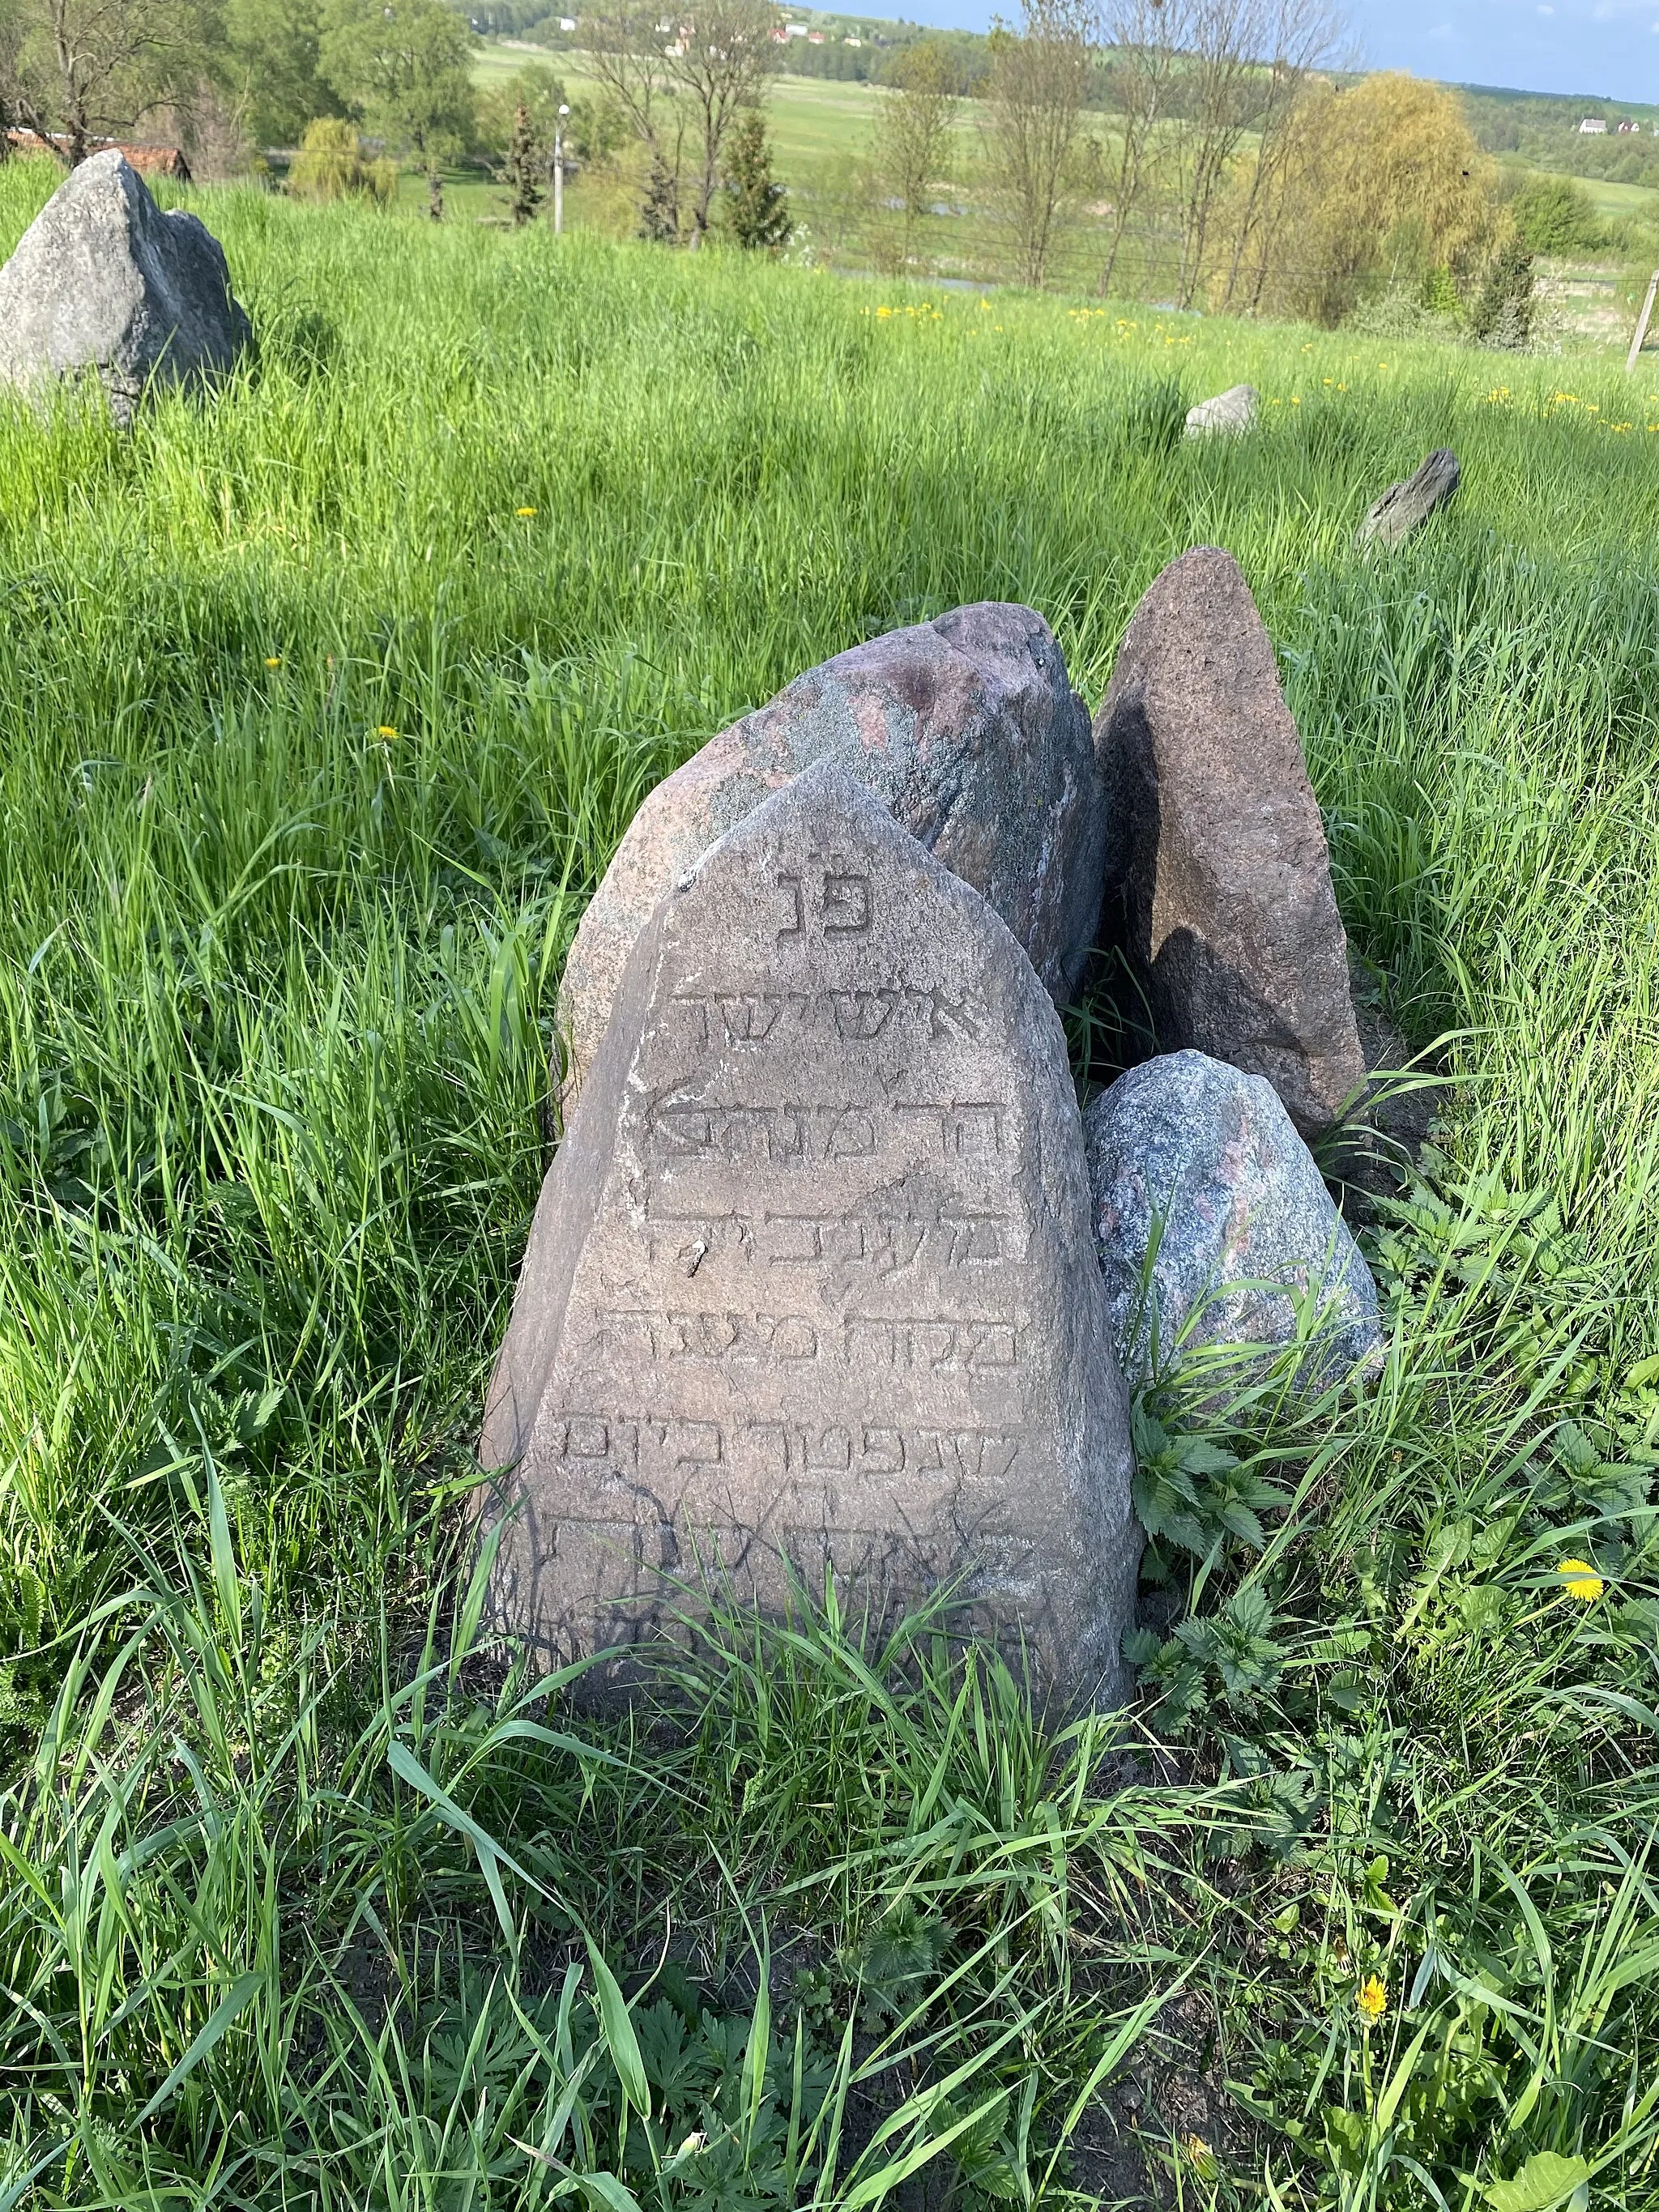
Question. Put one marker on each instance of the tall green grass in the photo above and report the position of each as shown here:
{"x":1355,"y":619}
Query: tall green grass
{"x":313,"y":743}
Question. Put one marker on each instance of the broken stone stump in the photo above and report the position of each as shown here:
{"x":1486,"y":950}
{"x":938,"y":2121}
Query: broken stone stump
{"x":103,"y":284}
{"x":1228,"y":413}
{"x":1393,"y":517}
{"x":968,"y":730}
{"x":1205,"y":1159}
{"x":1219,"y":876}
{"x":812,"y":1281}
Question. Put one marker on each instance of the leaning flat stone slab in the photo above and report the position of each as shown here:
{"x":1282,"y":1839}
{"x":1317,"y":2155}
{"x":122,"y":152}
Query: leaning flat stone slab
{"x":1218,"y":866}
{"x":1188,"y":1151}
{"x":1228,"y":413}
{"x":1406,"y":505}
{"x":812,"y":1281}
{"x":103,"y":284}
{"x":968,"y":730}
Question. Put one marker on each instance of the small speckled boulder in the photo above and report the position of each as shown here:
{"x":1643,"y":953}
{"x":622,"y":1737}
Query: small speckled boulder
{"x":1210,"y":1154}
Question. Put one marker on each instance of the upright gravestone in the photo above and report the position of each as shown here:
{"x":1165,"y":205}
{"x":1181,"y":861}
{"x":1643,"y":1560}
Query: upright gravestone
{"x":811,"y":1279}
{"x":1218,"y":875}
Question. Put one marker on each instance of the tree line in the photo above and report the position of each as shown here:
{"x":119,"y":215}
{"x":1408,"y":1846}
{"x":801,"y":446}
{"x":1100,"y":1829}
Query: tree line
{"x":1212,"y":153}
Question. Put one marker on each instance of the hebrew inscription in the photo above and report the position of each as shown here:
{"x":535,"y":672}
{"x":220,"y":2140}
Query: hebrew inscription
{"x":811,"y":1285}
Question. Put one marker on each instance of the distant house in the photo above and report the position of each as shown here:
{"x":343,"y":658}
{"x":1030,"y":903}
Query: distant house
{"x":795,"y":30}
{"x":1625,"y":126}
{"x":852,"y":42}
{"x":1593,"y":126}
{"x":814,"y":38}
{"x":567,"y":22}
{"x":150,"y":160}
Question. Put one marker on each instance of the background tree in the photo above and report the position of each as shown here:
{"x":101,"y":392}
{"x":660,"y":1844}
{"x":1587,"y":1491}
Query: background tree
{"x":719,"y":65}
{"x":1502,"y":313}
{"x":1303,"y":36}
{"x":1387,"y":184}
{"x":1039,"y":78}
{"x":522,"y":170}
{"x":914,"y":123}
{"x":271,"y":67}
{"x":1146,"y":39}
{"x":659,"y":209}
{"x":757,"y":205}
{"x":1219,"y":82}
{"x":404,"y":65}
{"x":99,"y":69}
{"x":331,"y":165}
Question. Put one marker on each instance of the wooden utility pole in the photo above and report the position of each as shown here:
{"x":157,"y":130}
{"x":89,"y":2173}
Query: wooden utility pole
{"x":1642,"y":323}
{"x":558,"y":180}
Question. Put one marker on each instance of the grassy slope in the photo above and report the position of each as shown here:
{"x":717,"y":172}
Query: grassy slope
{"x":313,"y":743}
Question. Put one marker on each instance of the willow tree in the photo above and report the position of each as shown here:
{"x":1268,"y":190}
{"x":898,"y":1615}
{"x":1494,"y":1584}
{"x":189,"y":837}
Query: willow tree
{"x":1383,"y":184}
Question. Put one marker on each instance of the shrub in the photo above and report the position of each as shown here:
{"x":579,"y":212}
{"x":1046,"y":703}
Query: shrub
{"x":331,"y":166}
{"x":1556,"y":215}
{"x":1502,"y":315}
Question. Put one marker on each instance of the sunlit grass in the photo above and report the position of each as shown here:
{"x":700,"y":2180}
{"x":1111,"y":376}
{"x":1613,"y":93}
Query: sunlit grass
{"x":321,"y":708}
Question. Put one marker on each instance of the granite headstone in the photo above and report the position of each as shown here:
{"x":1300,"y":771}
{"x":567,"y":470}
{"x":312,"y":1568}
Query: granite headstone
{"x":813,"y":1278}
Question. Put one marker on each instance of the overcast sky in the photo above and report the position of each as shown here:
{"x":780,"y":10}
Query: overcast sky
{"x":1606,"y":48}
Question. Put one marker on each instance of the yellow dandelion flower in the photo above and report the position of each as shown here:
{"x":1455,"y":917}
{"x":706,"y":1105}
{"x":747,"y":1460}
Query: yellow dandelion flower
{"x":386,"y":730}
{"x":273,"y":660}
{"x":1373,"y":1999}
{"x":1296,"y":399}
{"x":523,"y":513}
{"x":1582,"y":1580}
{"x":1202,"y":2158}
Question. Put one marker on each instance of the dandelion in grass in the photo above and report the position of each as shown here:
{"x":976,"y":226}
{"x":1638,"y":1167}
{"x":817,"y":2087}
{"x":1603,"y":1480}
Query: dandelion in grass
{"x":1581,"y":1580}
{"x":1200,"y":2157}
{"x":385,"y":730}
{"x":524,"y":513}
{"x":273,"y":660}
{"x":1373,"y":1999}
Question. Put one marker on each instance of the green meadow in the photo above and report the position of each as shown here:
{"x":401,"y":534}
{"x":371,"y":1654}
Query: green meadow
{"x":322,"y":705}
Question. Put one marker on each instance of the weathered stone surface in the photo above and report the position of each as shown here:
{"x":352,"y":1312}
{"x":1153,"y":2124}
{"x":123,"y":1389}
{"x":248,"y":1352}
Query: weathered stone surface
{"x":812,"y":1278}
{"x":965,"y":728}
{"x":1405,"y":505}
{"x":1230,"y":411}
{"x":103,"y":282}
{"x":1218,"y":875}
{"x":1210,"y":1157}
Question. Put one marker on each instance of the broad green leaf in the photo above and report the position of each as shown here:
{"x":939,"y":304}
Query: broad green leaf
{"x":1544,"y":2181}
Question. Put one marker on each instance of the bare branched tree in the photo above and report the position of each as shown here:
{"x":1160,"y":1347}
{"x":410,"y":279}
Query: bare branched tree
{"x":87,"y":70}
{"x":626,"y":53}
{"x":1147,"y":37}
{"x":1306,"y":36}
{"x":1219,"y":84}
{"x":1039,"y":78}
{"x":721,"y":53}
{"x":913,"y":125}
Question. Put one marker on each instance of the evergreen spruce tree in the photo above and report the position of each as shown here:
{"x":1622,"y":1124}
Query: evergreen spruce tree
{"x":522,"y":171}
{"x":758,"y":211}
{"x":660,"y":211}
{"x":1502,"y":316}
